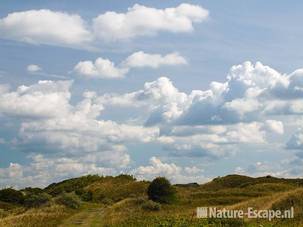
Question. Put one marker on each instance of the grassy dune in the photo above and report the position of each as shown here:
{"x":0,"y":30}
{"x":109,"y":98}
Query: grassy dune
{"x":122,"y":201}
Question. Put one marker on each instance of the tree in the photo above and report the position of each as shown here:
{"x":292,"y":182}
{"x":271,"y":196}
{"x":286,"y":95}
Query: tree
{"x":160,"y":190}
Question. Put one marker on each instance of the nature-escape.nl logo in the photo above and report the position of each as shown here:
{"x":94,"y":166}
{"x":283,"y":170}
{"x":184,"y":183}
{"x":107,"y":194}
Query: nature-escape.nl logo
{"x":214,"y":212}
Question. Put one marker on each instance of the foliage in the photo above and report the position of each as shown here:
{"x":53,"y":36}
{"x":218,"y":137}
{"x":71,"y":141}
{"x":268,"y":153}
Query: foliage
{"x":68,"y":200}
{"x":239,"y":181}
{"x":84,"y":195}
{"x":160,"y":190}
{"x":30,"y":190}
{"x":36,"y":200}
{"x":11,"y":195}
{"x":71,"y":184}
{"x":150,"y":205}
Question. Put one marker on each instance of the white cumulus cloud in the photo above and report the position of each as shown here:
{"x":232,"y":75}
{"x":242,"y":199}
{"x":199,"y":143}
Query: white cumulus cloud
{"x":104,"y":68}
{"x":140,"y":59}
{"x":101,"y":68}
{"x":173,"y":172}
{"x":140,"y":20}
{"x":45,"y":27}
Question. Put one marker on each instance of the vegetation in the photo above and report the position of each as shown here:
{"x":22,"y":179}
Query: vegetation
{"x":160,"y":190}
{"x":151,"y":205}
{"x":36,"y":200}
{"x":11,"y":195}
{"x":68,"y":200}
{"x":123,"y":201}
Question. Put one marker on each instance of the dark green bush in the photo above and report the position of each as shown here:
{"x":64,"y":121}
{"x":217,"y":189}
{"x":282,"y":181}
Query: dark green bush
{"x":84,"y":195}
{"x":11,"y":195}
{"x":160,"y":190}
{"x":151,"y":206}
{"x":68,"y":200}
{"x":36,"y":200}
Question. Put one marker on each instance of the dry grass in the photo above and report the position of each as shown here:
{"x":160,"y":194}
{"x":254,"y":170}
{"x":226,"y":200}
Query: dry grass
{"x":44,"y":217}
{"x":127,"y":197}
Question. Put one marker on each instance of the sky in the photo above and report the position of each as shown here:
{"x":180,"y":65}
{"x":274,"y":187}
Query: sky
{"x":189,"y":90}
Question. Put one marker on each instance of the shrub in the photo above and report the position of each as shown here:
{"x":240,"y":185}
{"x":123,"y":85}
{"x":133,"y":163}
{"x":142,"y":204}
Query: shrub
{"x":68,"y":201}
{"x":160,"y":190}
{"x":36,"y":200}
{"x":84,"y":195}
{"x":30,"y":190}
{"x":151,"y":206}
{"x":11,"y":195}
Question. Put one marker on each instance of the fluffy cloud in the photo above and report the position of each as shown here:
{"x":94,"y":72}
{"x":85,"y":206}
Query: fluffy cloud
{"x":49,"y":27}
{"x":140,"y":20}
{"x":141,"y":59}
{"x":176,"y":174}
{"x":104,"y":68}
{"x":33,"y":68}
{"x":45,"y":27}
{"x":70,"y":127}
{"x":38,"y":100}
{"x":101,"y":68}
{"x":51,"y":123}
{"x":248,"y":108}
{"x":44,"y":170}
{"x":212,"y":141}
{"x":250,"y":93}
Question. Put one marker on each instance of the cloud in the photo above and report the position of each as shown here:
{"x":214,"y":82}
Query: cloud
{"x":261,"y":169}
{"x":37,"y":70}
{"x":246,"y":109}
{"x":33,"y":68}
{"x":40,"y":100}
{"x":45,"y":27}
{"x":250,"y":93}
{"x":101,"y":68}
{"x":43,"y":170}
{"x":57,"y":28}
{"x":140,"y":59}
{"x":296,"y":140}
{"x":104,"y":68}
{"x":173,"y":172}
{"x":274,"y":126}
{"x":140,"y":20}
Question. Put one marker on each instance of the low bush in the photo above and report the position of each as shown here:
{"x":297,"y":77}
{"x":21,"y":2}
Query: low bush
{"x":11,"y":195}
{"x":68,"y":200}
{"x":84,"y":195}
{"x":36,"y":200}
{"x":151,"y":206}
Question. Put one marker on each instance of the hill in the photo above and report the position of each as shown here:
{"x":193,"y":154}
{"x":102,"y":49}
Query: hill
{"x":122,"y":201}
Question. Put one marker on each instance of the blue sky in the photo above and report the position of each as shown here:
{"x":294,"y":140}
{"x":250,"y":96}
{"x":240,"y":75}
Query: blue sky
{"x":128,"y":86}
